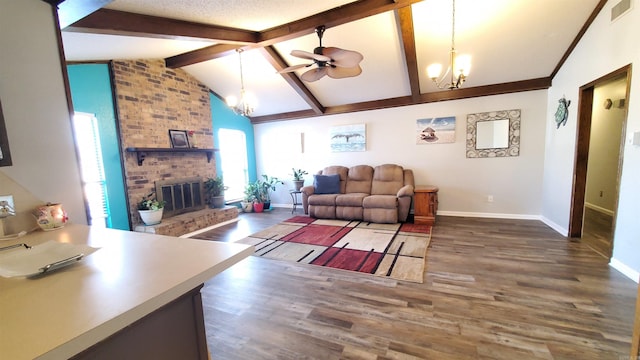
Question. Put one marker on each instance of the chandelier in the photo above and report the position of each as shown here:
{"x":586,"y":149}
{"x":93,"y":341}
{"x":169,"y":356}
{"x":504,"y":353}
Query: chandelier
{"x":459,"y":65}
{"x":246,"y":103}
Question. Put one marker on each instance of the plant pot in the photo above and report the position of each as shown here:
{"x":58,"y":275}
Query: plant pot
{"x":258,"y":207}
{"x":246,"y":206}
{"x":298,"y":184}
{"x":267,"y":205}
{"x":151,"y":217}
{"x":216,"y":202}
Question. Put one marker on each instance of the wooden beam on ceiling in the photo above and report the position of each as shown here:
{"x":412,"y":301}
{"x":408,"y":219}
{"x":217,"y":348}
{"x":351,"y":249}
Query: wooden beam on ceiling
{"x":105,"y":21}
{"x":276,"y":60}
{"x":337,"y":16}
{"x":201,"y":55}
{"x":405,"y":20}
{"x":330,"y":18}
{"x":445,"y":95}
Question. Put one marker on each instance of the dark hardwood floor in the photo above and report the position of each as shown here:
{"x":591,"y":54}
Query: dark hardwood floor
{"x":597,"y":231}
{"x":494,"y":289}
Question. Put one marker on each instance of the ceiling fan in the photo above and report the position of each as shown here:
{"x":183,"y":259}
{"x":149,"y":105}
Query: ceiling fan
{"x":332,"y":61}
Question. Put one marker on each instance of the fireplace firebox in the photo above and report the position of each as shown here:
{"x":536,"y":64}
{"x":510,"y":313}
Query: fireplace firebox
{"x":180,"y":195}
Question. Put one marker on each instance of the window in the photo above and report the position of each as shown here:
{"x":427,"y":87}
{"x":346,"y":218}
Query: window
{"x":234,"y":165}
{"x":85,"y":127}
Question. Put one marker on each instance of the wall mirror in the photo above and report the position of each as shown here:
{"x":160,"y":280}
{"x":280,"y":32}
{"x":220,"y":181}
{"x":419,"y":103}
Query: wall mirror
{"x":493,"y":134}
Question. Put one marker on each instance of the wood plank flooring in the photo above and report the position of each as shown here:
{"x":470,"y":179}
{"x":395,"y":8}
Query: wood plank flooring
{"x":494,"y":289}
{"x":597,"y":231}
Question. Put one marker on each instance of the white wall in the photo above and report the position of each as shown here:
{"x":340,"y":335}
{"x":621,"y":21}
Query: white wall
{"x":35,"y":109}
{"x":605,"y":47}
{"x":514,"y":182}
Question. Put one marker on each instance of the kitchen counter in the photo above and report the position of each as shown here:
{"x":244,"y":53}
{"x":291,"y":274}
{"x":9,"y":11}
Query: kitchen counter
{"x":133,"y":275}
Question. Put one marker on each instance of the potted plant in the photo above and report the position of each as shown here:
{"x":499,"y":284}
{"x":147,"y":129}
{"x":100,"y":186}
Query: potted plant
{"x":266,"y":186}
{"x":249,"y":198}
{"x":214,"y":192}
{"x":150,"y":209}
{"x":298,"y":180}
{"x":258,"y":196}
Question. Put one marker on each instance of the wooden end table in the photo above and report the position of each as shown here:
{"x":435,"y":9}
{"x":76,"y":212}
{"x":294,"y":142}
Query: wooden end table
{"x":425,"y":204}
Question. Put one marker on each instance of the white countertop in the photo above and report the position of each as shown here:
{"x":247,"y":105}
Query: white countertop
{"x":133,"y":274}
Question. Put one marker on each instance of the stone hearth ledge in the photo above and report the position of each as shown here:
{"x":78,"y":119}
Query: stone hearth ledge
{"x":192,"y":223}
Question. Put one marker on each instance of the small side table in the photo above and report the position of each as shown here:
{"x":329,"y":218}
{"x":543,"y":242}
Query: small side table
{"x":294,"y":199}
{"x":425,"y":204}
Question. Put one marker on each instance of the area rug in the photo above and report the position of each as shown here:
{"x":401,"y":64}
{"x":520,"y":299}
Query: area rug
{"x":392,"y":250}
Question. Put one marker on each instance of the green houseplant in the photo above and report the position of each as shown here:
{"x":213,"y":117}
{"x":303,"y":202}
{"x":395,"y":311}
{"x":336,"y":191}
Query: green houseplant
{"x":298,"y":180}
{"x":214,"y":191}
{"x":249,"y":197}
{"x":267,"y":185}
{"x":150,"y":209}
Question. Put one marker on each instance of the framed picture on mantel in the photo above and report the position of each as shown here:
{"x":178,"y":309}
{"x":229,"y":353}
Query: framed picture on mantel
{"x":5,"y":153}
{"x":179,"y":139}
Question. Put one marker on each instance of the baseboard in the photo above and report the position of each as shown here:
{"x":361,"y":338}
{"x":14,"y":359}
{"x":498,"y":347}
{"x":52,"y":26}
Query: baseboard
{"x":599,"y":209}
{"x":200,"y":231}
{"x":561,"y":230}
{"x":624,"y":269}
{"x":488,"y":215}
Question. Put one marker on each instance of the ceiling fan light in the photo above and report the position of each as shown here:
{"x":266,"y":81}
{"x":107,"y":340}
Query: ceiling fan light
{"x":434,"y":70}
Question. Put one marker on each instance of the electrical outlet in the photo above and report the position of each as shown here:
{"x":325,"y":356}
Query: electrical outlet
{"x":600,"y":193}
{"x":6,"y":206}
{"x":489,"y":198}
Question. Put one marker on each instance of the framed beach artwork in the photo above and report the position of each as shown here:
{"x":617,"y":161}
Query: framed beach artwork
{"x":348,"y":138}
{"x":437,"y":130}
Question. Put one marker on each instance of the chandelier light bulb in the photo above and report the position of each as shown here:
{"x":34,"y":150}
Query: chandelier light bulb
{"x":463,"y":64}
{"x":434,"y":70}
{"x":232,"y":101}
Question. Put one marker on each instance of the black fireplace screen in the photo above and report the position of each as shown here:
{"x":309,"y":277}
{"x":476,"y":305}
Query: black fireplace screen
{"x":180,"y":195}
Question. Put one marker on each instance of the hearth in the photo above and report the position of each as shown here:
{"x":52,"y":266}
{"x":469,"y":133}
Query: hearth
{"x":181,"y":195}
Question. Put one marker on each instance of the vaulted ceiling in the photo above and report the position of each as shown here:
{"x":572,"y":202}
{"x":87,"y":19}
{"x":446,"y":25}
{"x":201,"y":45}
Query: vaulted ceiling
{"x":515,"y":45}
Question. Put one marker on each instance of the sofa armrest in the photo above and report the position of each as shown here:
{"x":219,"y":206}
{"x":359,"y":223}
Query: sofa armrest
{"x":406,"y":190}
{"x":306,"y":192}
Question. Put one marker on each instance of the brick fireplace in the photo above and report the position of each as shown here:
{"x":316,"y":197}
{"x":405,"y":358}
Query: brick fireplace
{"x":151,"y":100}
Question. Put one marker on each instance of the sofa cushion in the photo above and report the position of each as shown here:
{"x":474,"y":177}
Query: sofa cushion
{"x":323,"y":199}
{"x":352,"y":199}
{"x":326,"y":184}
{"x":340,"y":170}
{"x":380,"y":201}
{"x":359,"y":179}
{"x":387,"y":179}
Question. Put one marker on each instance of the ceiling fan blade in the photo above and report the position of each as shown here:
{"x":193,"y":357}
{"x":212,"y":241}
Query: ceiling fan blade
{"x":309,"y":56}
{"x":293,"y":68}
{"x":314,"y":74}
{"x":342,"y":57}
{"x":343,"y":72}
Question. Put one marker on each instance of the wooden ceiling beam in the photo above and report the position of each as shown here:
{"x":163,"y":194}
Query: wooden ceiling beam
{"x":201,"y":55}
{"x":105,"y":21}
{"x":330,"y":18}
{"x":405,"y":20}
{"x":445,"y":95}
{"x":276,"y":60}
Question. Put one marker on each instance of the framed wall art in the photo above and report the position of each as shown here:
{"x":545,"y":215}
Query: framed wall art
{"x":179,"y":139}
{"x":348,"y":138}
{"x":5,"y":153}
{"x":437,"y":130}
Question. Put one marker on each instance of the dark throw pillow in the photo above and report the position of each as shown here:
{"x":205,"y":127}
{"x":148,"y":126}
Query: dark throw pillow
{"x":326,"y":184}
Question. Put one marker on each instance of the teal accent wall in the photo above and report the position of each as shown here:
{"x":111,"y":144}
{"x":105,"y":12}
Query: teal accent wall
{"x":223,"y":117}
{"x":91,"y":93}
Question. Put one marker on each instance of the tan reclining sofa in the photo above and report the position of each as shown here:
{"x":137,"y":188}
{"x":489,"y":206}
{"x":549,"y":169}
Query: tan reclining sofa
{"x":381,"y":195}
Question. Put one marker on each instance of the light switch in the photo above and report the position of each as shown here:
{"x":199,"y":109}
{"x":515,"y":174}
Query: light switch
{"x":636,"y":138}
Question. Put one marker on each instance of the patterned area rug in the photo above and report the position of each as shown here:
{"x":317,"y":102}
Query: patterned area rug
{"x":393,"y":250}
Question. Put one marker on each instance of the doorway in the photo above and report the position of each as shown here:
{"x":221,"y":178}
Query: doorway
{"x":602,"y":115}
